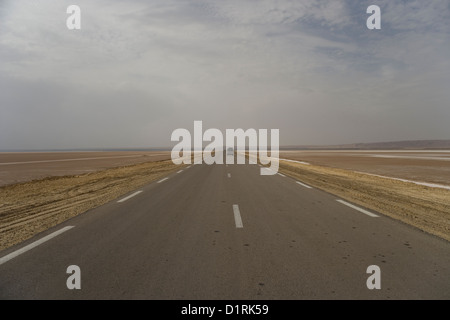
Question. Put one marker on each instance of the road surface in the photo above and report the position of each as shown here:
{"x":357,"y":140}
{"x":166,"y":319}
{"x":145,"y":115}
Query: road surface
{"x":226,"y":232}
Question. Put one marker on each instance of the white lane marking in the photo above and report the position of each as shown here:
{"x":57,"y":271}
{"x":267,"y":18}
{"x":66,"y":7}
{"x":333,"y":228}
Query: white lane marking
{"x":280,"y":174}
{"x":130,"y":196}
{"x":16,"y":253}
{"x":305,"y":185}
{"x":358,"y":208}
{"x":162,"y":180}
{"x":229,"y":175}
{"x":76,"y":159}
{"x":237,"y":216}
{"x":180,"y":171}
{"x":188,"y":167}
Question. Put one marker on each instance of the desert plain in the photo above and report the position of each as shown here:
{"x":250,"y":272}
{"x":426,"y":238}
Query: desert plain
{"x":39,"y":190}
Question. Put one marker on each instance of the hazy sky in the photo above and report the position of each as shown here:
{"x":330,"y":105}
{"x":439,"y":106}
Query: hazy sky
{"x":137,"y":70}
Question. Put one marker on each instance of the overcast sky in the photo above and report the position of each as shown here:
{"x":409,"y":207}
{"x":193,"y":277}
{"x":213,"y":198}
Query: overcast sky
{"x":137,"y":70}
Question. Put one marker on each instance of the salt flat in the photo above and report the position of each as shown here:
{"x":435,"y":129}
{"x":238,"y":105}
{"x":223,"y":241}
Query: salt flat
{"x":16,"y":167}
{"x":432,"y":166}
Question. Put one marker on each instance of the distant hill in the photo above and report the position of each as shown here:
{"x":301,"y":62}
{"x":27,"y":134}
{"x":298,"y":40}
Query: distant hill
{"x":393,"y":145}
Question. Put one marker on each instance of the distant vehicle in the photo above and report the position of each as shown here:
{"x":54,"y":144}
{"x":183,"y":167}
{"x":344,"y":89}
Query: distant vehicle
{"x":230,"y":151}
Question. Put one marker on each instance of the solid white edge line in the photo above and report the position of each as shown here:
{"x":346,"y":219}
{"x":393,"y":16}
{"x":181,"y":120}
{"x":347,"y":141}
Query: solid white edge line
{"x":162,"y":180}
{"x":130,"y":196}
{"x":304,"y":185}
{"x":357,"y":208}
{"x":280,"y":174}
{"x":237,"y":216}
{"x":16,"y":253}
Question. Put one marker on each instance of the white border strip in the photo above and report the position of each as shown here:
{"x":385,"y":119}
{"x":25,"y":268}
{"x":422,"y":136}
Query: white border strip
{"x":426,"y":184}
{"x":358,"y":208}
{"x":130,"y":196}
{"x":162,"y":180}
{"x":304,"y":185}
{"x":296,"y":161}
{"x":16,"y":253}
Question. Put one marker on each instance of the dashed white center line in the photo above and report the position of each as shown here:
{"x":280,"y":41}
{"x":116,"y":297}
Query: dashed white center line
{"x":130,"y":196}
{"x":237,"y":216}
{"x":14,"y":254}
{"x":162,"y":180}
{"x":280,"y":174}
{"x":358,"y":208}
{"x":229,"y":175}
{"x":304,"y":185}
{"x":180,"y":171}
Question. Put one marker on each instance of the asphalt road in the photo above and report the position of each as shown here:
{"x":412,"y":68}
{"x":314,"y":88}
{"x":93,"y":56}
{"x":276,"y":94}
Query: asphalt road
{"x":226,"y":232}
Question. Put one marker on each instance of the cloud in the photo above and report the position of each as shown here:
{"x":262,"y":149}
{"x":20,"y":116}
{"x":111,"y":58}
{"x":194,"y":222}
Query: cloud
{"x":138,"y":70}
